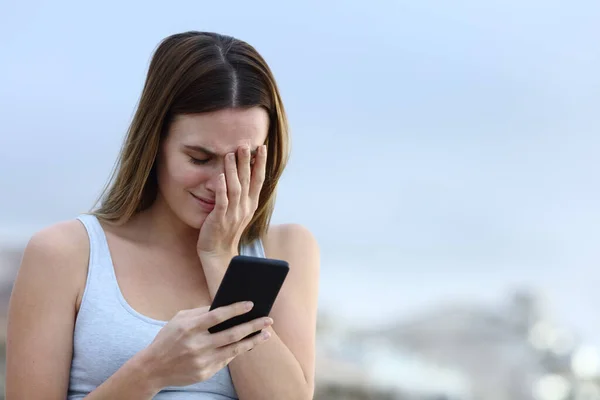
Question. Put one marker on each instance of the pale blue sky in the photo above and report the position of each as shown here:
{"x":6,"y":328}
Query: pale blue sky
{"x":452,"y":145}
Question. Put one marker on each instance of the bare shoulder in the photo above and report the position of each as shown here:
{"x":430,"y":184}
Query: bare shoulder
{"x":58,"y":253}
{"x":295,"y":244}
{"x":70,"y":234}
{"x":63,"y":241}
{"x":292,"y":242}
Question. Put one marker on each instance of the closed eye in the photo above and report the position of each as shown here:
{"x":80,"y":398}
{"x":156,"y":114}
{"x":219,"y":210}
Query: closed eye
{"x":199,"y":161}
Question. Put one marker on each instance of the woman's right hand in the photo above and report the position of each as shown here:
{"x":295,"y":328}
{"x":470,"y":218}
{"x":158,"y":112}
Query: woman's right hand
{"x":184,"y":352}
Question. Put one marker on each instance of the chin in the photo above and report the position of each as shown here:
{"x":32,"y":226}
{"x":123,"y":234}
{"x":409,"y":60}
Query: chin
{"x":194,"y":221}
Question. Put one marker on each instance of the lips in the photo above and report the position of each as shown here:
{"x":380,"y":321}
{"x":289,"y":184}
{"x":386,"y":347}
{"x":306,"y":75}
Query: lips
{"x":207,"y":205}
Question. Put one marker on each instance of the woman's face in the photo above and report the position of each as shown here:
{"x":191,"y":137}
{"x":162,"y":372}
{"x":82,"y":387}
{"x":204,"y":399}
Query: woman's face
{"x":192,"y":157}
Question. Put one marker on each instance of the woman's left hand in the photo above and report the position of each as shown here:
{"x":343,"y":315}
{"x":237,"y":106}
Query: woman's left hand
{"x":236,"y":200}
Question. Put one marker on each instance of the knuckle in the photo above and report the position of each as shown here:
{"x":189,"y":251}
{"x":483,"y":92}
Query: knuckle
{"x":232,"y":336}
{"x":252,"y":207}
{"x":181,"y":328}
{"x":261,"y":338}
{"x":258,"y":324}
{"x":181,"y":315}
{"x":214,"y":317}
{"x":200,"y":310}
{"x":209,"y":320}
{"x":189,"y":347}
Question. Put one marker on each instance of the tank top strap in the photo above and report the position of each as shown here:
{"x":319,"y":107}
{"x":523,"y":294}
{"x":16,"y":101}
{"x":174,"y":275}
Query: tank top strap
{"x":99,"y":251}
{"x":101,"y":278}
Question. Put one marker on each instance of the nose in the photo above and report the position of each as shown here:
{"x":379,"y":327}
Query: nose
{"x":213,"y":181}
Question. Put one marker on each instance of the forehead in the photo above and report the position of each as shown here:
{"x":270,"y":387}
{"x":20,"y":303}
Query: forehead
{"x":222,"y":131}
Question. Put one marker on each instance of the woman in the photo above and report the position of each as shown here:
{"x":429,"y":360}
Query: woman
{"x":114,"y":304}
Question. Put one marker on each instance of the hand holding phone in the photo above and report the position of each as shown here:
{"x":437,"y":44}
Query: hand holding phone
{"x":254,"y":279}
{"x":184,"y":352}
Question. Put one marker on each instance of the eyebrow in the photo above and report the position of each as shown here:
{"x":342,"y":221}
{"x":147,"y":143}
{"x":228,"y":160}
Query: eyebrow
{"x":211,"y":153}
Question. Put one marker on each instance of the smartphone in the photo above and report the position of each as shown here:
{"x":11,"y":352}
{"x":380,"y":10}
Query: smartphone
{"x":254,"y":279}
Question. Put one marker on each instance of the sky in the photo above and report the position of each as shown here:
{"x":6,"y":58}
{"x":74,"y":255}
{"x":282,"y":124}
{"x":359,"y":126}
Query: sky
{"x":440,"y":151}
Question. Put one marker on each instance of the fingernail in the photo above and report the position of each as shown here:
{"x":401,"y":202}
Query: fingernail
{"x":266,"y":334}
{"x":268,"y":321}
{"x":248,"y":305}
{"x":231,"y":156}
{"x":263,"y":148}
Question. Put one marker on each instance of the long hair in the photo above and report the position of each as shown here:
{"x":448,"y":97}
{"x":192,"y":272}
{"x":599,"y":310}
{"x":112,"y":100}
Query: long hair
{"x":195,"y":72}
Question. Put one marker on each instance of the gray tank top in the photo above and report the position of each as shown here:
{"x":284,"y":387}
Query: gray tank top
{"x":108,"y":332}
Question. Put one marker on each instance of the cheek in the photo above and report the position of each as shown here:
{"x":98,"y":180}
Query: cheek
{"x":192,"y":176}
{"x":183,"y":174}
{"x":188,"y":175}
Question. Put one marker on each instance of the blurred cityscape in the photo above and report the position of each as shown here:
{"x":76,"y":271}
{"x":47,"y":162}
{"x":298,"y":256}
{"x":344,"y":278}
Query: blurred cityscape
{"x":511,"y":351}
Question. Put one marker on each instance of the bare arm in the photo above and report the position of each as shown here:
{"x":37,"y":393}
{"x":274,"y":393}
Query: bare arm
{"x":284,"y":367}
{"x":41,"y":320}
{"x":42,"y":313}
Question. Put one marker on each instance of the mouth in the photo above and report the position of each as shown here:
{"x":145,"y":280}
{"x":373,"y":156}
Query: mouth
{"x":205,"y":204}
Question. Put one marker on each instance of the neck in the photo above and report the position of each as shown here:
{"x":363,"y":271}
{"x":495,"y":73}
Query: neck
{"x":161,"y":227}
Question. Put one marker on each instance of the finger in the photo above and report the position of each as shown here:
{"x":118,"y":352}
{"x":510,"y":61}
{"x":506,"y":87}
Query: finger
{"x":194,"y":312}
{"x":239,"y":332}
{"x":244,"y":170}
{"x":220,"y":314}
{"x":221,"y":200}
{"x":233,"y":182}
{"x":258,"y":174}
{"x":235,"y":349}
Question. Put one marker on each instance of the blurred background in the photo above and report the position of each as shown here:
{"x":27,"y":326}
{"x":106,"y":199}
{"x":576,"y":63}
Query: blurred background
{"x":445,"y":155}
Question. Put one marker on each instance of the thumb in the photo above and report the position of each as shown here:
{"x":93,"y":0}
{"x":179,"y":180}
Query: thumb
{"x":197,"y":312}
{"x":201,"y":310}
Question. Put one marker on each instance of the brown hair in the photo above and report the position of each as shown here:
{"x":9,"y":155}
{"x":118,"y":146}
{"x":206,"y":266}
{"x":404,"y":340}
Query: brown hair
{"x":195,"y":72}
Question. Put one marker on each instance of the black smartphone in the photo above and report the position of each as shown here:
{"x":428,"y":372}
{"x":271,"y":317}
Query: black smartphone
{"x":252,"y":279}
